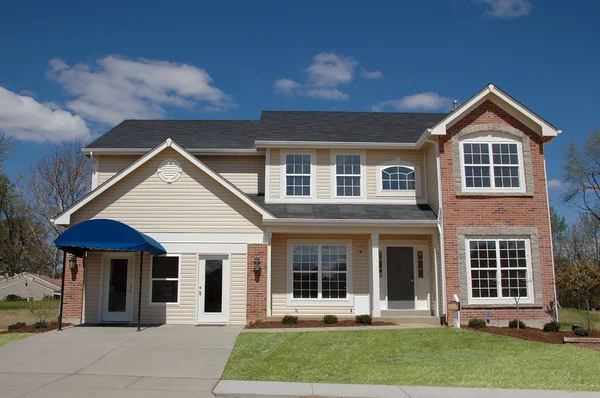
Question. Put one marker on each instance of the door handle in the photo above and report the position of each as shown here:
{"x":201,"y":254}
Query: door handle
{"x":199,"y":290}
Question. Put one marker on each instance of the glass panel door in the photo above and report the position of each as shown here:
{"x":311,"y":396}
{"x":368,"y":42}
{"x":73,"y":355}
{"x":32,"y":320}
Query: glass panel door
{"x":117,"y":287}
{"x":213,"y":289}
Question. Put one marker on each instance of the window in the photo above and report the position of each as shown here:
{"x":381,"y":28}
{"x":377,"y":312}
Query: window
{"x":492,"y":165}
{"x":499,"y":270}
{"x":164,"y":285}
{"x":348,"y":175}
{"x":398,"y":178}
{"x":420,"y":267}
{"x":297,"y":175}
{"x":319,"y":271}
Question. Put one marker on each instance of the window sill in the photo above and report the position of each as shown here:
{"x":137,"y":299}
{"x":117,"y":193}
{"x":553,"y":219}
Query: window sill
{"x":319,"y":302}
{"x":164,"y":304}
{"x":495,"y":194}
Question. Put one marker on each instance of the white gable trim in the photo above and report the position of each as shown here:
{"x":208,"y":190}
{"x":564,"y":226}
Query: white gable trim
{"x":501,"y":99}
{"x":65,"y":217}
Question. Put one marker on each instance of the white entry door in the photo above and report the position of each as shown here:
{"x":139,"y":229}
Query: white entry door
{"x":213,"y":289}
{"x":117,"y":287}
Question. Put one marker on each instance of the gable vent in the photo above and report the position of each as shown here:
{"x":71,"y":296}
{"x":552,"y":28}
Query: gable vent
{"x":169,"y":171}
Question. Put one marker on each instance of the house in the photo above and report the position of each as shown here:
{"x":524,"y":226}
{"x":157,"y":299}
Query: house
{"x":313,"y":213}
{"x":29,"y":286}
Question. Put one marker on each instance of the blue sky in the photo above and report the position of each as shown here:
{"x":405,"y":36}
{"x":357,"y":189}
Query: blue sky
{"x":78,"y":68}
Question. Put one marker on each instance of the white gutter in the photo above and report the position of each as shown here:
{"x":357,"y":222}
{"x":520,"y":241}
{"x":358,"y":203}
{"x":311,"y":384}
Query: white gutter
{"x":551,"y":243}
{"x":345,"y":222}
{"x":334,"y":144}
{"x":194,"y":151}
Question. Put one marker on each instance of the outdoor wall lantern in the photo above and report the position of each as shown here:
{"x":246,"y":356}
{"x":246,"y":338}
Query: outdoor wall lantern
{"x":256,"y":264}
{"x":72,"y":261}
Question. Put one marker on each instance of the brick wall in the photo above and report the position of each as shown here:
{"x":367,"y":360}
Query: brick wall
{"x":73,"y":293}
{"x":494,"y":211}
{"x":256,"y":303}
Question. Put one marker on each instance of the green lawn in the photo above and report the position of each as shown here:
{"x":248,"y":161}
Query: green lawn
{"x":10,"y":337}
{"x":569,"y":316}
{"x":18,"y":311}
{"x":427,"y":357}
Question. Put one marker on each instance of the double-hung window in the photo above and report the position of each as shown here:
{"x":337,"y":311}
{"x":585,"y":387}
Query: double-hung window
{"x":298,"y":175}
{"x":499,"y":270}
{"x":320,"y":271}
{"x":348,"y":176}
{"x":492,"y":166}
{"x":164,"y":284}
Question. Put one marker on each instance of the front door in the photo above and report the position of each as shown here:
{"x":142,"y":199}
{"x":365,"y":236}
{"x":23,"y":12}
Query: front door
{"x":118,"y":288}
{"x":213,"y":289}
{"x":400,"y":278}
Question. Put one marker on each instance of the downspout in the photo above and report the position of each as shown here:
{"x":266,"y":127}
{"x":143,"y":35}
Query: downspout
{"x":551,"y":244}
{"x":440,"y":224}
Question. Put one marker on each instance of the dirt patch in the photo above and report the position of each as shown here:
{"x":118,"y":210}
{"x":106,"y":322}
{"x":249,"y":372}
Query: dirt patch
{"x":312,"y":324}
{"x":533,"y":334}
{"x":32,"y":329}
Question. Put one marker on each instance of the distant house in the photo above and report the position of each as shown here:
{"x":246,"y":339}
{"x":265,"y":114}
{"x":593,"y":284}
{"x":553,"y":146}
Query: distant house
{"x":29,"y":286}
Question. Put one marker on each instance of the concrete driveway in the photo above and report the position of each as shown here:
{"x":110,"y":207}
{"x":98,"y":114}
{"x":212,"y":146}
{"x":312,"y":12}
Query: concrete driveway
{"x":170,"y":360}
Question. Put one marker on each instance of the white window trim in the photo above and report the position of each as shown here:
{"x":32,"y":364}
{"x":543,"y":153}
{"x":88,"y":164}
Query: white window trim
{"x":492,"y":138}
{"x":500,"y":300}
{"x":363,"y":175}
{"x":178,"y":279}
{"x":291,"y":301}
{"x":400,"y":194}
{"x":313,"y":174}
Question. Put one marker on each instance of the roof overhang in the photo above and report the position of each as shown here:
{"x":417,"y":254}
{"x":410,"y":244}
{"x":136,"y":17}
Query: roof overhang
{"x":350,"y":222}
{"x":193,"y":151}
{"x":334,"y":144}
{"x":504,"y":101}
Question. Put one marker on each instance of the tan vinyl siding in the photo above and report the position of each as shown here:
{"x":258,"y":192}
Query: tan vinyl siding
{"x":323,"y":174}
{"x":238,"y":289}
{"x":378,"y":157}
{"x":109,"y":165}
{"x":245,"y":172}
{"x":432,"y":186}
{"x":274,"y":189}
{"x":360,"y":269}
{"x":93,"y":268}
{"x":194,"y":203}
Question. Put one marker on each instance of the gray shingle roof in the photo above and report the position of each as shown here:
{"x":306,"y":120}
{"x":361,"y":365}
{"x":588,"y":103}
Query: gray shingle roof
{"x":347,"y":211}
{"x":272,"y":126}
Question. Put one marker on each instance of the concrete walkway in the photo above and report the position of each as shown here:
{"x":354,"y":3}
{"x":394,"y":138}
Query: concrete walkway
{"x":170,"y":360}
{"x":243,"y":389}
{"x":341,"y":328}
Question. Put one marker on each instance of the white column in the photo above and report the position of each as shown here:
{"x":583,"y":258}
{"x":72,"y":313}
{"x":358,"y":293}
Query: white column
{"x":375,"y":311}
{"x":269,"y":236}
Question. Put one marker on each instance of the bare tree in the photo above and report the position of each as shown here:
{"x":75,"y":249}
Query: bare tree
{"x":56,"y":182}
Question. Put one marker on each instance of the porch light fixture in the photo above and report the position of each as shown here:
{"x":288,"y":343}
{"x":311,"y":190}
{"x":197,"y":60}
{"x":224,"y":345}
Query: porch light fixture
{"x":72,"y":261}
{"x":256,"y":264}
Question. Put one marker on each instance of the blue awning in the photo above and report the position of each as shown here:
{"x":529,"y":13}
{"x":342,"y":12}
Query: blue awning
{"x":106,"y":235}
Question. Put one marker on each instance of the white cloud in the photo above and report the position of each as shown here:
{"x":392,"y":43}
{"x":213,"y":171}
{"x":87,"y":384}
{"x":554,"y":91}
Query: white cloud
{"x":371,"y":75}
{"x":331,"y":94}
{"x":324,"y":75}
{"x":557,"y":184}
{"x":118,"y":88}
{"x":26,"y":119}
{"x":420,"y":102}
{"x":507,"y":9}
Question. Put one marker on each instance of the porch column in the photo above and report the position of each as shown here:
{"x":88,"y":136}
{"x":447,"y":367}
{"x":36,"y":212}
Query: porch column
{"x":375,"y":311}
{"x":434,"y":240}
{"x":269,"y":237}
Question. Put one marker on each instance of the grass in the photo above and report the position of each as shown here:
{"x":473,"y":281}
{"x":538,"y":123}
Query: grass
{"x":9,"y":338}
{"x":18,"y":311}
{"x":570,"y":316}
{"x":427,"y":357}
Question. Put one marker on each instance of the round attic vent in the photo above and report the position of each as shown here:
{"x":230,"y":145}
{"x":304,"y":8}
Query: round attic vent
{"x":169,"y":171}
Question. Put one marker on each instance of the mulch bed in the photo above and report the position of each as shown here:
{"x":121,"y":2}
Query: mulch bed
{"x":532,"y":334}
{"x":32,"y":329}
{"x":312,"y":324}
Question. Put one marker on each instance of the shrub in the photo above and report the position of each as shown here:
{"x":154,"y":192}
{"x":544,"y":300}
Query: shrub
{"x":582,"y":332}
{"x":39,"y":325}
{"x":15,"y":326}
{"x":551,"y":327}
{"x":48,"y":297}
{"x":364,"y":319}
{"x":330,"y":319}
{"x":513,"y":324}
{"x":41,"y":311}
{"x":574,"y":327}
{"x":477,"y":323}
{"x":289,"y":320}
{"x":12,"y":297}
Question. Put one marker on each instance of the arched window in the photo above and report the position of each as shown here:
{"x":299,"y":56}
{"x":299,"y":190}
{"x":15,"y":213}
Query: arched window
{"x":398,"y":178}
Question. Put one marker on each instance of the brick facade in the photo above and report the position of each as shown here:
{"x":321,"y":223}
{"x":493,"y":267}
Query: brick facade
{"x":73,"y":293}
{"x":527,"y":210}
{"x":256,"y":296}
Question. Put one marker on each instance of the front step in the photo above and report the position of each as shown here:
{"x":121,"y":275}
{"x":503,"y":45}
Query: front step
{"x":415,"y":320}
{"x":403,"y":313}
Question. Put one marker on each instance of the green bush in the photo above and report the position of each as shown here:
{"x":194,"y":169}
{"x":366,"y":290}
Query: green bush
{"x":477,"y":323}
{"x":513,"y":324}
{"x":289,"y":320}
{"x":364,"y":319}
{"x":12,"y":297}
{"x":330,"y":319}
{"x":574,"y":327}
{"x":39,"y":325}
{"x":551,"y":327}
{"x":15,"y":326}
{"x":582,"y":332}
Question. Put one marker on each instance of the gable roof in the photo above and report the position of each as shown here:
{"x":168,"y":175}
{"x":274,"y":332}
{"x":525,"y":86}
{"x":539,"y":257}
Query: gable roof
{"x":64,"y":218}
